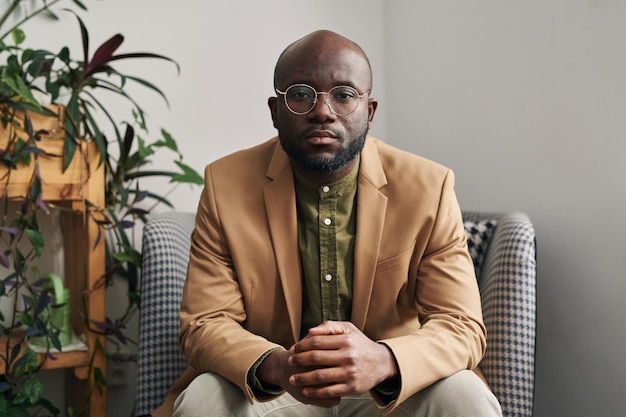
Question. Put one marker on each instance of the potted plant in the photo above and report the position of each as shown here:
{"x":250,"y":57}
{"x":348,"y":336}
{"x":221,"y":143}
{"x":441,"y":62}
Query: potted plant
{"x":73,"y":116}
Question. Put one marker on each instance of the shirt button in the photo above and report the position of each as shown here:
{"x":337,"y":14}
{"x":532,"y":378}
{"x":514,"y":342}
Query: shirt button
{"x":327,"y":222}
{"x":326,"y":188}
{"x":328,"y":277}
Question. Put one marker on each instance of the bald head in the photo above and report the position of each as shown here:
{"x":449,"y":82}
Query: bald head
{"x":325,"y":50}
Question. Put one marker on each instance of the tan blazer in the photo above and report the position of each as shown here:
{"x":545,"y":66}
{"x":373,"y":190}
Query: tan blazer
{"x":414,"y":286}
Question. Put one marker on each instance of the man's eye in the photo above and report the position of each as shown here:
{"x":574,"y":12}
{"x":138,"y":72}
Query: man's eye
{"x":344,"y":94}
{"x":300,"y":94}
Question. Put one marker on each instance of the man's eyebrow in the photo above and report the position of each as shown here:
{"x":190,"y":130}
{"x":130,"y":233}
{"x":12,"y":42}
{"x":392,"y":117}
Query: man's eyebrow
{"x":334,"y":84}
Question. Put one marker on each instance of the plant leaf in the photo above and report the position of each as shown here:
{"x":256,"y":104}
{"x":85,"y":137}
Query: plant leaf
{"x":10,"y":230}
{"x":71,"y":132}
{"x":80,"y":4}
{"x":30,"y":392}
{"x":99,"y":379}
{"x":18,"y":36}
{"x":139,"y":174}
{"x":49,"y":406}
{"x":168,"y":141}
{"x":119,"y":335}
{"x":129,"y":255}
{"x":125,"y":224}
{"x":161,"y":200}
{"x":85,"y":38}
{"x":108,"y":116}
{"x":4,"y":387}
{"x":42,"y":206}
{"x":56,"y":342}
{"x":4,"y":260}
{"x":26,"y":363}
{"x":17,"y":85}
{"x":140,"y":196}
{"x":69,"y":149}
{"x":36,"y":239}
{"x":126,"y":147}
{"x":144,"y":55}
{"x":189,"y":175}
{"x":102,"y":325}
{"x":103,"y":54}
{"x":100,"y":140}
{"x":151,"y":87}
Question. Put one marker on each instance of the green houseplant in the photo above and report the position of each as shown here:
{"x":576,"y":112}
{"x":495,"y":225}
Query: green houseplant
{"x":71,"y":87}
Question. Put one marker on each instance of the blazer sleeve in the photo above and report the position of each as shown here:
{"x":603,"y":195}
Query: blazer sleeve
{"x":212,"y":336}
{"x":452,"y":335}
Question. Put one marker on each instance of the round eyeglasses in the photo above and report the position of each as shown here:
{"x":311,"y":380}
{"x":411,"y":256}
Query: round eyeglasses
{"x":302,"y":98}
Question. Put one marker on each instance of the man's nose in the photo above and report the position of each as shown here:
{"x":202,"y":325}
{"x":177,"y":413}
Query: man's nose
{"x":322,"y":110}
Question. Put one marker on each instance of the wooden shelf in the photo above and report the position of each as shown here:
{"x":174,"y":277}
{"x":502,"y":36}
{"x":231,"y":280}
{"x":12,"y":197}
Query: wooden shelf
{"x":84,"y":250}
{"x":66,"y":359}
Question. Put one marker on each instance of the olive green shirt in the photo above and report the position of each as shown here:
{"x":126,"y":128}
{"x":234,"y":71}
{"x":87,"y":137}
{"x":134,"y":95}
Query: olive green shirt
{"x":326,"y":234}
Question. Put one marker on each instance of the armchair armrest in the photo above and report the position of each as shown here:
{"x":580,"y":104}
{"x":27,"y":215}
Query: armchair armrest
{"x":166,"y":243}
{"x":508,"y":291}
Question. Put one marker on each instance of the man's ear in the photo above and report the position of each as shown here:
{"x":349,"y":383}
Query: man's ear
{"x":372,"y":105}
{"x":272,"y":103}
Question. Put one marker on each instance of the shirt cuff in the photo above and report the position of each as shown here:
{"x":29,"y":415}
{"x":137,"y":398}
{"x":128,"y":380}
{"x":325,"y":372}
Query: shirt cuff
{"x":259,"y":388}
{"x":388,"y":390}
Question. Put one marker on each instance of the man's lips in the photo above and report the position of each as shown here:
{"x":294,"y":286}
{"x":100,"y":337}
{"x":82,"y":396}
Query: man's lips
{"x":320,"y":137}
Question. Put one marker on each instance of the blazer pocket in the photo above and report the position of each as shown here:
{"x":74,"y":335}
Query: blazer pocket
{"x":396,"y":260}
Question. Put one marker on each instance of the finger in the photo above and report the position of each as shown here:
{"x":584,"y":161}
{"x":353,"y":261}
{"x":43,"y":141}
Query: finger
{"x":319,"y":378}
{"x":323,"y":342}
{"x":321,"y":402}
{"x":330,"y":328}
{"x":327,"y":392}
{"x":317,"y":358}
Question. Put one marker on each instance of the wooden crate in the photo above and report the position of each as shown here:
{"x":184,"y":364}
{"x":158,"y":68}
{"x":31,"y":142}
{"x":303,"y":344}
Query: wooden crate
{"x":84,"y":259}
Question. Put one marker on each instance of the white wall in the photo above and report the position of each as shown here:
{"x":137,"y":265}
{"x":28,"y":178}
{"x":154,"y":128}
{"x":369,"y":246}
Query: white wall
{"x":524,"y":100}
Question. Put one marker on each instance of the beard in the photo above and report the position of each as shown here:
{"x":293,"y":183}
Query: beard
{"x":323,"y":164}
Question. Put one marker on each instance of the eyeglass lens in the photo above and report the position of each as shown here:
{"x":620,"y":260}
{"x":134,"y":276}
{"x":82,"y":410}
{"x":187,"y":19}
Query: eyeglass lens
{"x":301,"y":99}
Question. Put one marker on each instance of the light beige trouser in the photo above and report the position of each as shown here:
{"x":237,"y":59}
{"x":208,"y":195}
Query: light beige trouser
{"x":460,"y":395}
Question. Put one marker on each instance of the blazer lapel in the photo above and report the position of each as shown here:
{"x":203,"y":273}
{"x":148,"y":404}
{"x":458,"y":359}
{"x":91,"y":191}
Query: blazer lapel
{"x":371,"y":207}
{"x":280,"y":204}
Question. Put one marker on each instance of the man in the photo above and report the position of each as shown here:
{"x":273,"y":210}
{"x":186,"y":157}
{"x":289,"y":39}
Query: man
{"x":329,"y":273}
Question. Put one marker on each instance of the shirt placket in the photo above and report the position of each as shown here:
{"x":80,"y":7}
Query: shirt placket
{"x":328,"y":253}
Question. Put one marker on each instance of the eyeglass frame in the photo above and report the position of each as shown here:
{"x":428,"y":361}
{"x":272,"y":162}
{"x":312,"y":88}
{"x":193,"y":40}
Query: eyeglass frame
{"x":327,"y":101}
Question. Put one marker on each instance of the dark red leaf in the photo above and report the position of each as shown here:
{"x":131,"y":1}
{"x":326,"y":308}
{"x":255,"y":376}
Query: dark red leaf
{"x":141,"y":195}
{"x":106,"y":325}
{"x":42,"y":206}
{"x":120,"y":336}
{"x":10,"y":230}
{"x":138,"y":211}
{"x":104,"y":53}
{"x":125,"y":224}
{"x":4,"y":260}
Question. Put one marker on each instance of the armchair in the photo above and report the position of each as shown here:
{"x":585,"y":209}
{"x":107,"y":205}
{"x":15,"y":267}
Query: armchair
{"x":503,"y":249}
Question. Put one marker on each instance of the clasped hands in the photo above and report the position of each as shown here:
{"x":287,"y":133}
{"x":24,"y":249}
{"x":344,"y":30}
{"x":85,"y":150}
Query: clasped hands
{"x":335,"y":359}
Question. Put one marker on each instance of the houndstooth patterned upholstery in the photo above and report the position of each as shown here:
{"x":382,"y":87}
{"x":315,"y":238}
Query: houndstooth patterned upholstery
{"x":508,"y":291}
{"x":165,"y":254}
{"x":507,"y":285}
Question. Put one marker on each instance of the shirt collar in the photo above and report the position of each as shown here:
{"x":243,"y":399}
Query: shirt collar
{"x":346,"y":183}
